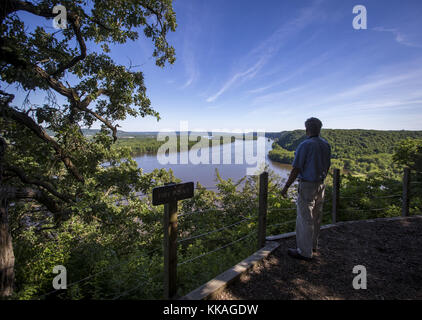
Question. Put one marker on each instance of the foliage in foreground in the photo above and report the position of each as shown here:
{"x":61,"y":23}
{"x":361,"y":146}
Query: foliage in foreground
{"x":116,"y":265}
{"x":49,"y":180}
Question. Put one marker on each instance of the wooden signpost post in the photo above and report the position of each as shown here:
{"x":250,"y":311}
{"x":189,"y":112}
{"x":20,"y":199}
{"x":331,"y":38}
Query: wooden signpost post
{"x":262,"y":211}
{"x":169,"y":195}
{"x":406,"y":188}
{"x":336,"y":195}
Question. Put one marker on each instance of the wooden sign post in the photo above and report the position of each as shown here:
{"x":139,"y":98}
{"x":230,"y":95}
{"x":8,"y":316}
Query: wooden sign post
{"x":336,"y":195}
{"x":262,"y":211}
{"x":406,"y":188}
{"x":169,"y":195}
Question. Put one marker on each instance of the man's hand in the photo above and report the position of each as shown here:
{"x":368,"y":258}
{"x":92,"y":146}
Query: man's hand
{"x":292,"y":178}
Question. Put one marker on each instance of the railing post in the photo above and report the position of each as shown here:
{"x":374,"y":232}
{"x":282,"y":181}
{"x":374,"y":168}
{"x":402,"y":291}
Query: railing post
{"x":170,"y":250}
{"x":336,"y":193}
{"x":262,"y":211}
{"x":406,"y":192}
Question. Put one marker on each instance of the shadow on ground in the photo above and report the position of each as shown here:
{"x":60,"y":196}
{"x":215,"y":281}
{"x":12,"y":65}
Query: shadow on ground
{"x":391,"y":251}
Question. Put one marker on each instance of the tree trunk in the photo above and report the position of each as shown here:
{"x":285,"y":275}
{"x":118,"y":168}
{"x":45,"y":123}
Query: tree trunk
{"x":7,"y":258}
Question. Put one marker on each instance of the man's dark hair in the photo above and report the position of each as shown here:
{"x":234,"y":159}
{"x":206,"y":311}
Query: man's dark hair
{"x":313,"y":125}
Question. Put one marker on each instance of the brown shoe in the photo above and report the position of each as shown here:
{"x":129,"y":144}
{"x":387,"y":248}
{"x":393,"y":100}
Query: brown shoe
{"x":296,"y":255}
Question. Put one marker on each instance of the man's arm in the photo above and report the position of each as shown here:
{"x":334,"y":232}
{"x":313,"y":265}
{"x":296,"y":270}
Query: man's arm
{"x":292,"y":177}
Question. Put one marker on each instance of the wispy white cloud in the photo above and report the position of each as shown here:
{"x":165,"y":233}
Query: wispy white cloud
{"x":248,"y":74}
{"x":261,"y":54}
{"x":380,"y":82}
{"x":309,"y":65}
{"x":191,"y":33}
{"x":372,"y":104}
{"x":392,"y":88}
{"x":377,"y":92}
{"x":191,"y":67}
{"x":399,"y":37}
{"x":276,"y":96}
{"x":387,"y":104}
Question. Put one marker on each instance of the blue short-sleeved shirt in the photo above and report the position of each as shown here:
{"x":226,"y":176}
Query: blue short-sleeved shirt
{"x":313,"y":158}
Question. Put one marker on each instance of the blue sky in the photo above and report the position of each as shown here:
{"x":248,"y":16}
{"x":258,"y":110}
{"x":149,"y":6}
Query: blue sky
{"x":243,"y":64}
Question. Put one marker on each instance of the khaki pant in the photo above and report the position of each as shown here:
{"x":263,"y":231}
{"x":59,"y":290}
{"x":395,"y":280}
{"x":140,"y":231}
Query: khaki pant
{"x":309,"y":216}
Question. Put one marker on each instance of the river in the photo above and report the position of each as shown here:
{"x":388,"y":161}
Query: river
{"x":205,"y":173}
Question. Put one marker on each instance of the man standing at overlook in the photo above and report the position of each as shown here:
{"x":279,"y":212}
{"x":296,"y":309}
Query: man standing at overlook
{"x":311,"y":163}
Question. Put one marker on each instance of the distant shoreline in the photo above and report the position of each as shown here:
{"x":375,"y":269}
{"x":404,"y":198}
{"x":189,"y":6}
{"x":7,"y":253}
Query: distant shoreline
{"x":149,"y":146}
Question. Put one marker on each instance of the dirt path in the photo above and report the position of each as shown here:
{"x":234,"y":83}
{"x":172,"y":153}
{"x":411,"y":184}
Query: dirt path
{"x":391,"y":251}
